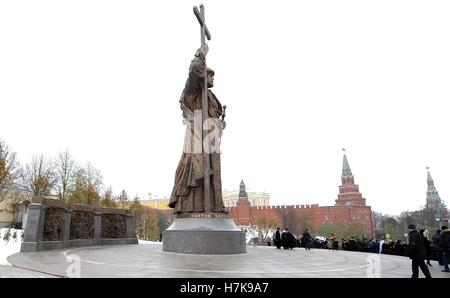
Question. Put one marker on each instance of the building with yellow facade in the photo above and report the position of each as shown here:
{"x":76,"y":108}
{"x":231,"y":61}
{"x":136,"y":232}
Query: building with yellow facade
{"x":230,"y":198}
{"x":256,"y":199}
{"x":156,"y":203}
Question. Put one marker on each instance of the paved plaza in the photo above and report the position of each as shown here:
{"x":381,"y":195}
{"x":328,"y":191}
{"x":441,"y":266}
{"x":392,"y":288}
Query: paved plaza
{"x":14,"y":272}
{"x":148,"y":260}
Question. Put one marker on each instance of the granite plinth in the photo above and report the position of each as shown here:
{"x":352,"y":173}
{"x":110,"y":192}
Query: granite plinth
{"x":204,"y":235}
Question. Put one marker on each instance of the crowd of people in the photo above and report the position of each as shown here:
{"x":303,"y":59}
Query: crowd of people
{"x":284,"y":239}
{"x":421,"y":246}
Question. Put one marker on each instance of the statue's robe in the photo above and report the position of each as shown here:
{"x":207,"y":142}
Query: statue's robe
{"x":188,"y":191}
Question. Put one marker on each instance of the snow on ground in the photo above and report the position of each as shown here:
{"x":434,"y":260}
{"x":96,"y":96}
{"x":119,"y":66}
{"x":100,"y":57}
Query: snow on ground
{"x":10,"y":247}
{"x":147,"y":242}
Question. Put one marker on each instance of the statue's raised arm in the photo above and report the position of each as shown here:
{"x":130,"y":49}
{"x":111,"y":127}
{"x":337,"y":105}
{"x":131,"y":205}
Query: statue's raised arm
{"x":196,"y":73}
{"x":194,"y":83}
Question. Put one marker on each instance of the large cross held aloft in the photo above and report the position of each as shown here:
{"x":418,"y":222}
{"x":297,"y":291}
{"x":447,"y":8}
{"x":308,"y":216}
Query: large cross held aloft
{"x":201,"y":19}
{"x":205,"y":115}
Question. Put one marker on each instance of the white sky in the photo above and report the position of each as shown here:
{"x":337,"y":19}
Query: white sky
{"x":301,"y":80}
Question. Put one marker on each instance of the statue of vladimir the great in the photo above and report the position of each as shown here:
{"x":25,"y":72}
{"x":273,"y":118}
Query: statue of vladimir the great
{"x":188,"y":193}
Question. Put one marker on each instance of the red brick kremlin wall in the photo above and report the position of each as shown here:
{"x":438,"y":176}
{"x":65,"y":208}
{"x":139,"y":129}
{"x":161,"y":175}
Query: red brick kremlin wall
{"x":245,"y":215}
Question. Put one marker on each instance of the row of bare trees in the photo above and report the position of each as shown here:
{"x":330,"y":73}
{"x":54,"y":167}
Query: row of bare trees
{"x":297,"y":221}
{"x":65,"y":179}
{"x":293,"y":219}
{"x":61,"y":177}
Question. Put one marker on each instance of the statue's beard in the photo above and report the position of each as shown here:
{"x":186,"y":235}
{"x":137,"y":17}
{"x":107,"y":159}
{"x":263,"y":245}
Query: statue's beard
{"x":210,"y":85}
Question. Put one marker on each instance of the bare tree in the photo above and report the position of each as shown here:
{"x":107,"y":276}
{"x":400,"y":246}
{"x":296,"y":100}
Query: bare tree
{"x":87,"y":186}
{"x":123,"y":199}
{"x":108,"y":199}
{"x":8,"y":170}
{"x":14,"y":205}
{"x":284,"y":217}
{"x":93,"y":177}
{"x":38,"y":178}
{"x":65,"y":168}
{"x":304,"y":219}
{"x":264,"y":225}
{"x":294,"y":219}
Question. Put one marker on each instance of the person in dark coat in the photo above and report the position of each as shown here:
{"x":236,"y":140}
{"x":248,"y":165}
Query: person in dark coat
{"x":416,"y":252}
{"x":277,"y":238}
{"x":331,"y":242}
{"x":292,"y":240}
{"x":306,"y":238}
{"x":427,"y":245}
{"x":445,"y":244}
{"x":437,"y":246}
{"x":287,"y":239}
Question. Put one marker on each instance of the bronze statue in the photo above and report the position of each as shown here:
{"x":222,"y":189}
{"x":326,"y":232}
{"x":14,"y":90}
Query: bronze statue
{"x":198,"y":186}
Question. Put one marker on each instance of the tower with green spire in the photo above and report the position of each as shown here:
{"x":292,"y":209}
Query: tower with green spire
{"x":243,"y":207}
{"x":242,"y":190}
{"x":349,"y":194}
{"x":435,"y":208}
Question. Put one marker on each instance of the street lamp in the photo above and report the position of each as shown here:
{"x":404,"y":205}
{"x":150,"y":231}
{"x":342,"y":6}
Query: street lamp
{"x":438,"y":221}
{"x":143,"y":228}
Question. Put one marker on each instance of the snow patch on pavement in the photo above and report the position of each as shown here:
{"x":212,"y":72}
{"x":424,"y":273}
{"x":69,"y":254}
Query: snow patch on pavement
{"x":9,"y":245}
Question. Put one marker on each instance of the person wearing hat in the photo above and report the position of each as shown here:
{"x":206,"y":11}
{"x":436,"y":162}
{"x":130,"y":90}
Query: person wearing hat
{"x":277,"y":238}
{"x":445,"y":244}
{"x":427,"y":245}
{"x":416,"y":252}
{"x":437,"y":247}
{"x":306,"y":239}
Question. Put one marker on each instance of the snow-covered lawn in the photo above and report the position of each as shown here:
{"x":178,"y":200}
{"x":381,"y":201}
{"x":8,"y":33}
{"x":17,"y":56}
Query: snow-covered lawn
{"x":10,"y":247}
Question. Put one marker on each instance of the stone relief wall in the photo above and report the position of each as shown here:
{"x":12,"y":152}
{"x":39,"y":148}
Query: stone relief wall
{"x":113,"y":226}
{"x":82,"y":225}
{"x":51,"y":224}
{"x":82,"y":221}
{"x":54,"y":224}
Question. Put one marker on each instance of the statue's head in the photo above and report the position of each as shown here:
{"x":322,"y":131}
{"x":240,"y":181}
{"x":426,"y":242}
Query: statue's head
{"x":210,"y":76}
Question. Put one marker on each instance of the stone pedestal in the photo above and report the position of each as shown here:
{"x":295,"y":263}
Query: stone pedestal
{"x":204,"y":233}
{"x":131,"y":230}
{"x":97,"y":227}
{"x":33,"y":234}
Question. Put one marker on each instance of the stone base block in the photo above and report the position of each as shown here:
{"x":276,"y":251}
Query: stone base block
{"x":218,"y":236}
{"x":119,"y":241}
{"x":47,"y":245}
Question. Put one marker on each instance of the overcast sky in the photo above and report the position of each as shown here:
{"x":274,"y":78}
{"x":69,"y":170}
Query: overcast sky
{"x":301,"y":80}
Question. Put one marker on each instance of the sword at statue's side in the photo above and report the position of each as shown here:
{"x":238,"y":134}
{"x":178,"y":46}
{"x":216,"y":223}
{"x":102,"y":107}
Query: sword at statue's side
{"x":205,"y":115}
{"x":223,"y":124}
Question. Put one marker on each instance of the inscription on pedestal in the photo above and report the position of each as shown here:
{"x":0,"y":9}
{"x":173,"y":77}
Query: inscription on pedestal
{"x":201,"y":215}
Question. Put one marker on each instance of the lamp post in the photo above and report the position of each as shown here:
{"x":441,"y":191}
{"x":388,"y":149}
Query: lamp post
{"x":438,"y":221}
{"x":143,"y":229}
{"x":406,"y":233}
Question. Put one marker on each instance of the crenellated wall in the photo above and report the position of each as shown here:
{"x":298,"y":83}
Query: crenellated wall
{"x":317,"y":215}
